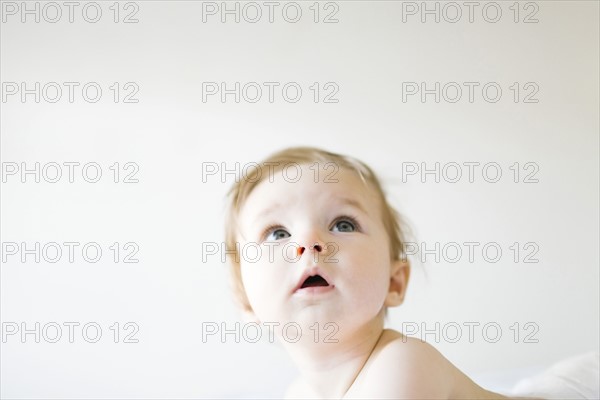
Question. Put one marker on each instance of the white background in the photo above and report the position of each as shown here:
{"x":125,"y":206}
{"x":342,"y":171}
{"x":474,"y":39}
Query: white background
{"x":171,"y":212}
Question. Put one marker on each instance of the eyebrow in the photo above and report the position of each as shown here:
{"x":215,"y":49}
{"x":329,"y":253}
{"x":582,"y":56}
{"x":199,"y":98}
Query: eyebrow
{"x":342,"y":200}
{"x":266,"y":212}
{"x":352,"y":203}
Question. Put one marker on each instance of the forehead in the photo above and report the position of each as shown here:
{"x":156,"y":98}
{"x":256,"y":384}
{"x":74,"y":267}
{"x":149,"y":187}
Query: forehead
{"x":310,"y":185}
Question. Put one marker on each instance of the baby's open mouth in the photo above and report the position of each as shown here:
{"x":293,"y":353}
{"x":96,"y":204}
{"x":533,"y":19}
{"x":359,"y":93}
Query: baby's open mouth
{"x":313,"y":281}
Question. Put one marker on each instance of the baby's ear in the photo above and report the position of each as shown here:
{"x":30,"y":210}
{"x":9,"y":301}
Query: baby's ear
{"x":400,"y":273}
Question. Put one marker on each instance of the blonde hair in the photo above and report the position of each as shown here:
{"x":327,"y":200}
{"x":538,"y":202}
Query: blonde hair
{"x":276,"y":162}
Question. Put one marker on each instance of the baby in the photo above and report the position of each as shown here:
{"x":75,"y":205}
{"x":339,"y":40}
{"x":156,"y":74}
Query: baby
{"x":331,"y":264}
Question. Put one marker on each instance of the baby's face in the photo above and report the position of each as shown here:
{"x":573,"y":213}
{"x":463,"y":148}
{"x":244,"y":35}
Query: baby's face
{"x":344,"y":218}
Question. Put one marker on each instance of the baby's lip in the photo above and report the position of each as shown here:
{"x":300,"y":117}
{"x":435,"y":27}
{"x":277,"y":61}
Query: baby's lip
{"x":313,"y":271}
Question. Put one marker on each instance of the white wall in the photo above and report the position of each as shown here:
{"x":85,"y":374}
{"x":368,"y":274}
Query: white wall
{"x":170,"y":132}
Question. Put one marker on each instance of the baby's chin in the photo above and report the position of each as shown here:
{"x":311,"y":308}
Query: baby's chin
{"x":344,"y":316}
{"x":304,"y":318}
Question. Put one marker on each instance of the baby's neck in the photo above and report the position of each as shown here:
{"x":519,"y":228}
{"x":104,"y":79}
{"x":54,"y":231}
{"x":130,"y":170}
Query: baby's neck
{"x":329,"y":369}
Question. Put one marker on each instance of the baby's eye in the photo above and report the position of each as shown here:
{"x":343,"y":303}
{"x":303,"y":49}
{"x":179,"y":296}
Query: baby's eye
{"x":277,"y":234}
{"x":345,"y":225}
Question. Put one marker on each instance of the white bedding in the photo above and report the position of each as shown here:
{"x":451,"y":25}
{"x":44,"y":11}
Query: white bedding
{"x":574,"y":378}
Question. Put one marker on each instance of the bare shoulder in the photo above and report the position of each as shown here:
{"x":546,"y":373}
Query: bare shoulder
{"x":403,"y":367}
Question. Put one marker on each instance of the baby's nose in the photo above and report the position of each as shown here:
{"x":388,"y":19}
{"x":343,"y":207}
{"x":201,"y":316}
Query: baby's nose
{"x":316,"y":247}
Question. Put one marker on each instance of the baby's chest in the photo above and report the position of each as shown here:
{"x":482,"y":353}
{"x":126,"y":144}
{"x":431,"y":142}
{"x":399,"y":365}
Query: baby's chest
{"x":366,"y":386}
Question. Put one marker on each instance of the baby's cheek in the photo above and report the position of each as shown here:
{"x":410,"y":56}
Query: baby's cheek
{"x":376,"y":277}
